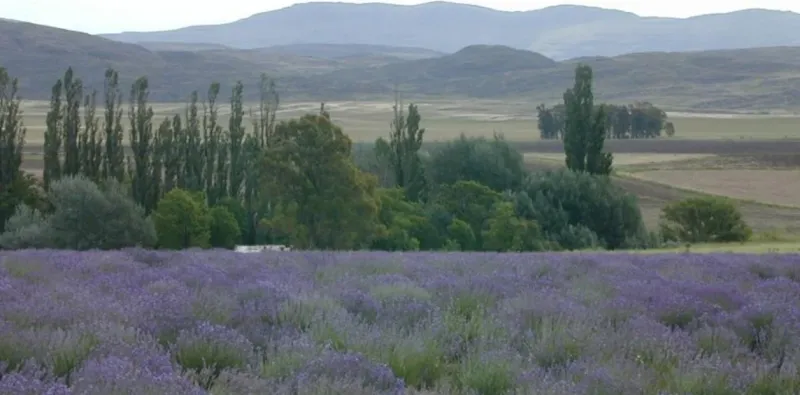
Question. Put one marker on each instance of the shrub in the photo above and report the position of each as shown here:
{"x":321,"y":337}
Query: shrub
{"x":225,"y":232}
{"x":182,"y":220}
{"x":570,"y":206}
{"x":83,"y":217}
{"x":704,"y":220}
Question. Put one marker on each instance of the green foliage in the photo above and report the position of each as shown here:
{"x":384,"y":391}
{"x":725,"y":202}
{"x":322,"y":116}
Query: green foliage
{"x":703,"y":220}
{"x":225,"y":231}
{"x":507,"y":232}
{"x":575,"y":209}
{"x":489,"y":162}
{"x":584,"y":127}
{"x":310,"y":174}
{"x":470,"y":202}
{"x":182,"y":220}
{"x":83,"y":217}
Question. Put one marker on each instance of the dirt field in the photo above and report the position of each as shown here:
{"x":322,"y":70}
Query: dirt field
{"x":777,"y":187}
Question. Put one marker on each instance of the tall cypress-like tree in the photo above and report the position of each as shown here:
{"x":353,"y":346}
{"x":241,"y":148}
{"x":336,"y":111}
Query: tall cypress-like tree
{"x":91,"y":142}
{"x":12,"y":142}
{"x":53,"y":136}
{"x":584,"y":128}
{"x":73,"y":88}
{"x":211,"y":135}
{"x":141,"y":139}
{"x":114,"y":155}
{"x":180,"y":142}
{"x":237,"y":131}
{"x":193,"y":149}
{"x":264,"y":120}
{"x":405,"y":141}
{"x":169,"y":148}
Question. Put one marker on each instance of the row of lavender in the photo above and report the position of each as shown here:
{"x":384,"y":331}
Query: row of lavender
{"x":139,"y":322}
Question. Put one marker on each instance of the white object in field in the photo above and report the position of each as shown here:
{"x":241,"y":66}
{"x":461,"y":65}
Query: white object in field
{"x":262,"y":248}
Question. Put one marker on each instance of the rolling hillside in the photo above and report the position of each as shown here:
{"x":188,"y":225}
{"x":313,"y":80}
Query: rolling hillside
{"x":754,"y":79}
{"x":559,"y":32}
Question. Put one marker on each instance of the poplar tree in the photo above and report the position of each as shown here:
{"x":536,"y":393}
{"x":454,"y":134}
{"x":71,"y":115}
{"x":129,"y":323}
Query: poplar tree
{"x":91,"y":142}
{"x":236,"y":135}
{"x":12,"y":142}
{"x":180,"y":142}
{"x":141,"y":140}
{"x":405,"y":141}
{"x":170,"y":152}
{"x":193,"y":154}
{"x":211,"y":135}
{"x":114,"y":155}
{"x":53,"y":136}
{"x":585,"y":128}
{"x":73,"y":88}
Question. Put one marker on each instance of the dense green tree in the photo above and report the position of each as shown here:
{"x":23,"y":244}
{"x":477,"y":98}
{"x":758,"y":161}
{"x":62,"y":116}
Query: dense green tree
{"x":236,"y":208}
{"x":567,"y":203}
{"x":310,"y":174}
{"x":550,"y":122}
{"x":224,"y":230}
{"x":505,"y":231}
{"x":493,"y":163}
{"x":53,"y":136}
{"x":114,"y":155}
{"x":141,"y":142}
{"x":182,"y":220}
{"x":584,"y":128}
{"x":83,"y":217}
{"x":704,"y":220}
{"x":12,"y":142}
{"x":470,"y":202}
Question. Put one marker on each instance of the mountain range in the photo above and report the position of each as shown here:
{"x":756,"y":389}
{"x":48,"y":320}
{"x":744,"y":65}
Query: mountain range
{"x":558,"y":32}
{"x":434,"y":59}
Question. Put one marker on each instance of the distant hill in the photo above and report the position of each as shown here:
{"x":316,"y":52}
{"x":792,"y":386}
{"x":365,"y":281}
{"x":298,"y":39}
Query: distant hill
{"x":559,"y":32}
{"x":754,"y":79}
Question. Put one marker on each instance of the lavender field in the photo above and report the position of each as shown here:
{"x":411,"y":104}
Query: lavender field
{"x":139,"y":322}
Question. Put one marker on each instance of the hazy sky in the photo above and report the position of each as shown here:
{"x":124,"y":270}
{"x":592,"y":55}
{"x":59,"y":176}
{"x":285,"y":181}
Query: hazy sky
{"x":110,"y":16}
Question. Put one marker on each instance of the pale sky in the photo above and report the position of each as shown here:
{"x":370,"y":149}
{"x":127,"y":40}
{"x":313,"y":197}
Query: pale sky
{"x":112,"y":16}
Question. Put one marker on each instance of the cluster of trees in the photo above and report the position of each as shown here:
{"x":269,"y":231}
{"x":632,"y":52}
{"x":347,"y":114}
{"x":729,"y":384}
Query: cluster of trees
{"x":191,"y":181}
{"x":640,"y":120}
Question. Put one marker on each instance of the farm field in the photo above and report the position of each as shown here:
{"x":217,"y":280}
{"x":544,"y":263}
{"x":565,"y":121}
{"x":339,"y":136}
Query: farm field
{"x":415,"y":323}
{"x":777,"y":187}
{"x":447,"y":119}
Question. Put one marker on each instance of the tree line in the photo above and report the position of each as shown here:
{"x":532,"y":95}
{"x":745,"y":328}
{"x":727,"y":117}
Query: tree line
{"x":641,"y":120}
{"x":192,"y":181}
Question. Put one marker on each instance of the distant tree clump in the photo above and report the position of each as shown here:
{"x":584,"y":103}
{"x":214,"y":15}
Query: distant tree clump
{"x":640,"y":120}
{"x":704,"y":220}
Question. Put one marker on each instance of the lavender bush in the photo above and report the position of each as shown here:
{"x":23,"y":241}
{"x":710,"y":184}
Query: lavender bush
{"x":216,"y":322}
